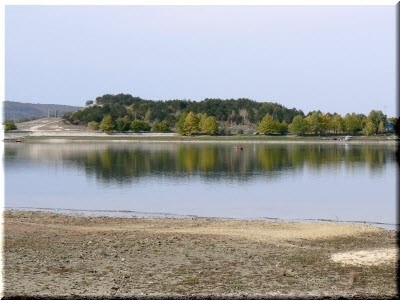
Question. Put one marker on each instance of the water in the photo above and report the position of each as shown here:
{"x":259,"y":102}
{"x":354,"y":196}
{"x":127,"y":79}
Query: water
{"x":340,"y":182}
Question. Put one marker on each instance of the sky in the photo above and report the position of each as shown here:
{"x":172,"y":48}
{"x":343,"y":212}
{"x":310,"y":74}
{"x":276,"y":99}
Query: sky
{"x":329,"y":58}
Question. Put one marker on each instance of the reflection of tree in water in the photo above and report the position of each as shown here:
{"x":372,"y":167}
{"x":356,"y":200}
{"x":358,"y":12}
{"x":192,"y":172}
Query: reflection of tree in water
{"x":222,"y":162}
{"x":376,"y":160}
{"x":213,"y":162}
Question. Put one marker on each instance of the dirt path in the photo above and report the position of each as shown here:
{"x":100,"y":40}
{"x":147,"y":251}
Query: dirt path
{"x":50,"y":254}
{"x":51,"y":124}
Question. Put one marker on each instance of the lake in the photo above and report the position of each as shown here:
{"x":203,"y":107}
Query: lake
{"x":339,"y":182}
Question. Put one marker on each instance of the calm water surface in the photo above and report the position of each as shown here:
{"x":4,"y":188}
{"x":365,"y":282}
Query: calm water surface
{"x":338,"y":182}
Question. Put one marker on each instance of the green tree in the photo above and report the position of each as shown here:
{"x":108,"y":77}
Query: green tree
{"x":370,"y":128}
{"x":376,"y":117}
{"x":122,"y":124}
{"x":107,"y":124}
{"x":209,"y":125}
{"x":139,"y":125}
{"x":9,"y":125}
{"x":191,"y":124}
{"x":324,"y":123}
{"x":202,"y":118}
{"x":162,"y":126}
{"x":180,"y":125}
{"x":299,"y":126}
{"x":337,"y":123}
{"x":283,"y":127}
{"x":268,"y":125}
{"x":354,"y":123}
{"x":147,"y":116}
{"x":317,"y":122}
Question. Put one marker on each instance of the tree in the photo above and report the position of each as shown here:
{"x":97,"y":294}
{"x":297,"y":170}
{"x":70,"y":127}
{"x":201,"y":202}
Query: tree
{"x":162,"y":126}
{"x":191,"y":124}
{"x":202,"y":119}
{"x":354,"y":123}
{"x":317,"y":123}
{"x":107,"y":124}
{"x":122,"y":124}
{"x":89,"y":102}
{"x":370,"y":128}
{"x":180,"y":125}
{"x":324,"y":123}
{"x":147,"y":115}
{"x":139,"y":125}
{"x":268,"y":125}
{"x":337,"y":123}
{"x":283,"y":127}
{"x":209,"y":126}
{"x":299,"y":126}
{"x":9,"y":125}
{"x":244,"y":114}
{"x":376,"y":117}
{"x":381,"y":127}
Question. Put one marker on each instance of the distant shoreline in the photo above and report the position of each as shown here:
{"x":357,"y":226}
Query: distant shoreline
{"x":172,"y":138}
{"x":55,"y":130}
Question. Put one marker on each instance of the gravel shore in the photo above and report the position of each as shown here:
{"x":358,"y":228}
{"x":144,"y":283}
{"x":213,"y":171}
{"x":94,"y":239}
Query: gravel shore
{"x":50,"y":254}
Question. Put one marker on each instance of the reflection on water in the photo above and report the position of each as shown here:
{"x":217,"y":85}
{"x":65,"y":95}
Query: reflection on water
{"x":288,"y":181}
{"x":123,"y":163}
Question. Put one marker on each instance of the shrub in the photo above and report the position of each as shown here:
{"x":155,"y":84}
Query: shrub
{"x":9,"y":125}
{"x":93,"y":125}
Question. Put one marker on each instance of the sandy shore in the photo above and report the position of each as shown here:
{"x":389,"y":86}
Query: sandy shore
{"x":55,"y":254}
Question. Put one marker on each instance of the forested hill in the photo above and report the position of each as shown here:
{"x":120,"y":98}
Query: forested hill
{"x":124,"y":112}
{"x":239,"y":111}
{"x":18,"y":111}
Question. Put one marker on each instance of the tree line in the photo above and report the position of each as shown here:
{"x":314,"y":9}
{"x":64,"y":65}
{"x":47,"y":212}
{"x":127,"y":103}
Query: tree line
{"x":124,"y":112}
{"x":317,"y":123}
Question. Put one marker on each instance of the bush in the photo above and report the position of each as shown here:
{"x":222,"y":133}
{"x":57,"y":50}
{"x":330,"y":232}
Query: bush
{"x":139,"y":125}
{"x":122,"y":125}
{"x":162,"y":126}
{"x":93,"y":125}
{"x":9,"y":125}
{"x":107,"y":124}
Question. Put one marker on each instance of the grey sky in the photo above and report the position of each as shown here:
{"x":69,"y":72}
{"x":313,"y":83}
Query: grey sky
{"x":333,"y":58}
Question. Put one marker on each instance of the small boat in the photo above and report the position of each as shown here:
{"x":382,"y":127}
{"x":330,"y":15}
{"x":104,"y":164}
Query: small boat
{"x":18,"y":140}
{"x":238,"y":148}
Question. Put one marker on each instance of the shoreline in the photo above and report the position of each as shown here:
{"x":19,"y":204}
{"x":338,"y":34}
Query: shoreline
{"x":149,"y":215}
{"x":58,"y":255}
{"x":158,"y":138}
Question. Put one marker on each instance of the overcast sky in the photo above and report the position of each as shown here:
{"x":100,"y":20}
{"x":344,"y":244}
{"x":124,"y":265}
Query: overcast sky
{"x":332,"y":58}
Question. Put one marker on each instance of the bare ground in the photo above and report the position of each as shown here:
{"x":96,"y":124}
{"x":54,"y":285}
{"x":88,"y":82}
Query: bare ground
{"x":53,"y":255}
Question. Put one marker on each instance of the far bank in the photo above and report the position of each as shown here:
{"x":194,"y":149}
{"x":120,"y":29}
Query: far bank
{"x":48,"y":136}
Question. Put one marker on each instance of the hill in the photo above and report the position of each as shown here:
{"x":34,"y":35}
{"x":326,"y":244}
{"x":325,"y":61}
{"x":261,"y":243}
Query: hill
{"x":124,"y":112}
{"x":19,"y":111}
